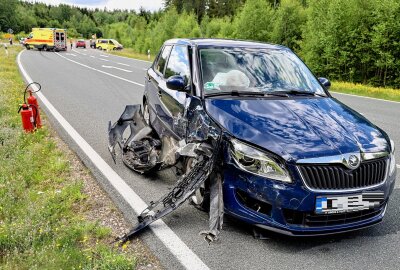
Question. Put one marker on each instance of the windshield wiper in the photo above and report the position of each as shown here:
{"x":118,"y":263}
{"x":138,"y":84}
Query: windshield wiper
{"x":236,"y":93}
{"x":246,"y":93}
{"x":300,"y":93}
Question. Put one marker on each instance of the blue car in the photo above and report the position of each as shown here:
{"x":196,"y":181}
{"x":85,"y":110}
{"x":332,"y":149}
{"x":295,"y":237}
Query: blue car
{"x":294,"y":159}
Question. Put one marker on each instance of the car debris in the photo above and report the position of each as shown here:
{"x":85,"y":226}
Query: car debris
{"x":143,"y":152}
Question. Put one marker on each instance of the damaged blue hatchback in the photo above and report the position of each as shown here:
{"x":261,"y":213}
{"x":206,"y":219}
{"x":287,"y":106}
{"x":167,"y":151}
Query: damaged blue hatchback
{"x":290,"y":157}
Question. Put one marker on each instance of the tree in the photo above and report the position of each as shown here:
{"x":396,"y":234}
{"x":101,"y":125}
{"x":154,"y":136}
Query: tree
{"x":288,"y":22}
{"x":255,"y":21}
{"x":8,"y":15}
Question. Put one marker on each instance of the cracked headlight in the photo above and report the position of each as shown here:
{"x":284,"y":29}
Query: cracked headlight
{"x":392,"y":166}
{"x":257,"y":162}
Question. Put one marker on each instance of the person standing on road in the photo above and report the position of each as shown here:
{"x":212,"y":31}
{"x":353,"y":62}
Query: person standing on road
{"x":10,"y":39}
{"x":71,"y":44}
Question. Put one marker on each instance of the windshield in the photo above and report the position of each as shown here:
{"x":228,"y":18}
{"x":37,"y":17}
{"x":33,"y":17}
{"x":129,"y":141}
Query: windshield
{"x":255,"y":70}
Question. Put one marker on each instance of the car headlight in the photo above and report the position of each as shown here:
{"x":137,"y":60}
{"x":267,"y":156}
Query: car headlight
{"x":392,"y":166}
{"x":257,"y":162}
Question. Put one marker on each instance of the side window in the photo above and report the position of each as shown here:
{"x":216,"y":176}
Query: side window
{"x":178,"y":63}
{"x":162,"y":59}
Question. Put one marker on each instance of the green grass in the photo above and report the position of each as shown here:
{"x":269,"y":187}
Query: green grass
{"x":42,"y":225}
{"x":365,"y":90}
{"x":128,"y":52}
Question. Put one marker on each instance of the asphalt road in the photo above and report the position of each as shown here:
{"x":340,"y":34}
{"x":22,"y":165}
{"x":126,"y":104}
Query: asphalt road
{"x":89,"y":88}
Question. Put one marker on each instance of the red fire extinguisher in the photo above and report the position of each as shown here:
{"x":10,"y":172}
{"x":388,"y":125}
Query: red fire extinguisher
{"x":32,"y":102}
{"x":30,"y":114}
{"x":27,"y":118}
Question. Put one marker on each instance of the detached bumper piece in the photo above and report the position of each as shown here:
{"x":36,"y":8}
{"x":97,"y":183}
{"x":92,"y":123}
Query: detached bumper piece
{"x":185,"y":187}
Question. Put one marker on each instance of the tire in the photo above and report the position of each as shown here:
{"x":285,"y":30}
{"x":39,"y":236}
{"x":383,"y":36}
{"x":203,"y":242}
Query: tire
{"x":146,"y":113}
{"x":45,"y":48}
{"x":114,"y":49}
{"x":28,"y":47}
{"x":201,"y":197}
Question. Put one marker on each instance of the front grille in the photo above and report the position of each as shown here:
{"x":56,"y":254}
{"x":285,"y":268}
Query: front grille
{"x":337,"y":176}
{"x":310,"y":219}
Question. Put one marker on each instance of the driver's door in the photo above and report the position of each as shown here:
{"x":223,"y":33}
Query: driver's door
{"x":173,"y":101}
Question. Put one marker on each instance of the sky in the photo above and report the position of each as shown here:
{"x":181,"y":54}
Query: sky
{"x":151,"y":5}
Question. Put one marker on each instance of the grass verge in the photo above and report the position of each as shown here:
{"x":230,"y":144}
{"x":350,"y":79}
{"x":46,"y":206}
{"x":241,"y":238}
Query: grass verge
{"x":128,"y":52}
{"x":365,"y":90}
{"x":42,"y":221}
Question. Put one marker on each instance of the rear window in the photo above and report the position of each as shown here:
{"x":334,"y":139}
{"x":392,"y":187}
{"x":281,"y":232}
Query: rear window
{"x":162,"y":59}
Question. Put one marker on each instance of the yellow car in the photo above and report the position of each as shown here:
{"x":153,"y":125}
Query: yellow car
{"x":108,"y":45}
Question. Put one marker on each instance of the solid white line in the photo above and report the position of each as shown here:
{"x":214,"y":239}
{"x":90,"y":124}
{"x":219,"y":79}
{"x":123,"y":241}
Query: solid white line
{"x":98,"y":70}
{"x":104,"y":66}
{"x":392,"y":101}
{"x":173,"y":243}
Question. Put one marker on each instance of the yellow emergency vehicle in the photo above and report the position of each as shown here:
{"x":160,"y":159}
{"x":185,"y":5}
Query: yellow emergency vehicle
{"x":108,"y":45}
{"x":47,"y":39}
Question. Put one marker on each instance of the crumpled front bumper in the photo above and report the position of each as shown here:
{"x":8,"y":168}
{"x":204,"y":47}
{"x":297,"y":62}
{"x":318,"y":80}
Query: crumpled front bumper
{"x":268,"y":204}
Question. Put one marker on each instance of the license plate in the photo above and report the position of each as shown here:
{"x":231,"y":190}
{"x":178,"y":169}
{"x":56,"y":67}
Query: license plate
{"x":349,"y":203}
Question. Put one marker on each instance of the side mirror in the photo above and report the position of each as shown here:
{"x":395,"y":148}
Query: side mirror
{"x":325,"y":82}
{"x":176,"y":82}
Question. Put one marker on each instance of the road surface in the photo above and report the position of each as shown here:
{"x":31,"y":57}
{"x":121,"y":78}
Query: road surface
{"x":89,"y":88}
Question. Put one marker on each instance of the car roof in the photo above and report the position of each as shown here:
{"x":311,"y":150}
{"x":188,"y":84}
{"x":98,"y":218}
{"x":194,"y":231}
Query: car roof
{"x":219,"y":42}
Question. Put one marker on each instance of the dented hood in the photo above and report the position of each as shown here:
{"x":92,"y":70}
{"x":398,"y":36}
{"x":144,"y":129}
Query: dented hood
{"x":298,"y":128}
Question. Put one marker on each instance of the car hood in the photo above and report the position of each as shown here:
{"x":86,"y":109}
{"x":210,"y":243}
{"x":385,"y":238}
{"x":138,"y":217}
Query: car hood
{"x":298,"y":128}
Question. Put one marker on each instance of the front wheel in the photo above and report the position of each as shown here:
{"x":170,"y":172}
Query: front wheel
{"x":146,"y":112}
{"x":201,"y":197}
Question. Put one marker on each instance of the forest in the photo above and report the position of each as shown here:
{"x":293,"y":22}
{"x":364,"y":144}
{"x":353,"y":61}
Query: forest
{"x":348,"y":40}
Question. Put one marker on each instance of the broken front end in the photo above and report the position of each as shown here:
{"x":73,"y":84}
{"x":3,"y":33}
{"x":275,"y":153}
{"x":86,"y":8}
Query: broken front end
{"x":196,"y":158}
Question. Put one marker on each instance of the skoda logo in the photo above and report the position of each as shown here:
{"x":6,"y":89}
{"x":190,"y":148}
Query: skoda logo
{"x":353,"y":162}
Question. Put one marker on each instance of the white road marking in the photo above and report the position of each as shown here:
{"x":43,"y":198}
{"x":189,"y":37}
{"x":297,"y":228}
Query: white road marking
{"x":79,"y":52}
{"x":92,"y":56}
{"x":116,"y":68}
{"x":398,"y":166}
{"x":173,"y":243}
{"x":98,"y":70}
{"x":122,"y":64}
{"x":71,"y":54}
{"x":145,"y":69}
{"x":104,"y":55}
{"x":397,"y":102}
{"x":104,"y":60}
